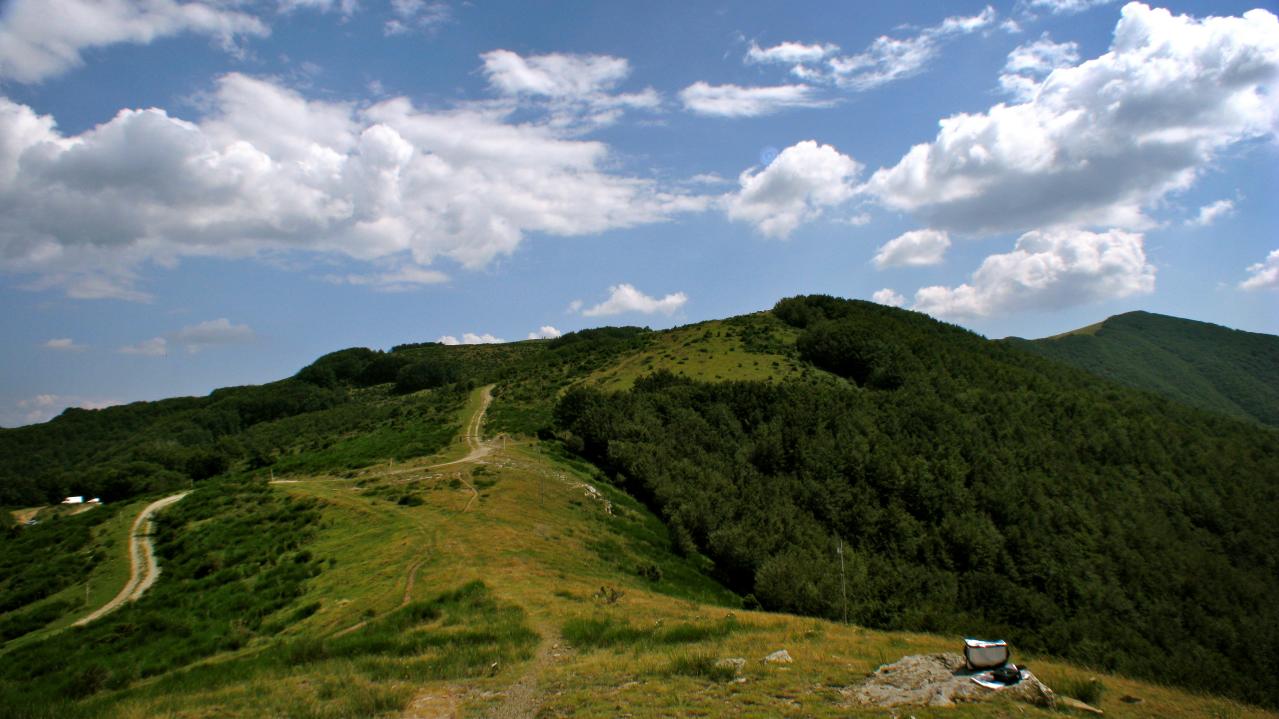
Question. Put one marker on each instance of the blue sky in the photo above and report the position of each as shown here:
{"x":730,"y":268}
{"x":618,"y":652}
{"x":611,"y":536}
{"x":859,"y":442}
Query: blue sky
{"x":200,"y":194}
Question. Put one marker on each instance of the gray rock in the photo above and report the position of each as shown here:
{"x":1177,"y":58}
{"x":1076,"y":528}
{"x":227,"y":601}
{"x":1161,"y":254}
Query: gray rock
{"x":938,"y":680}
{"x":781,"y":656}
{"x":737,"y":663}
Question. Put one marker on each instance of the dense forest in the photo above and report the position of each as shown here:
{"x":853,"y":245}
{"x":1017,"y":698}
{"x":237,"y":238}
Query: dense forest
{"x":120,"y":452}
{"x":1201,"y":364}
{"x":955,"y":484}
{"x":348,"y":409}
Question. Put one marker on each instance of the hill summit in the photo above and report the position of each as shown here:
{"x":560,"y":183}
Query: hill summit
{"x":1198,"y":363}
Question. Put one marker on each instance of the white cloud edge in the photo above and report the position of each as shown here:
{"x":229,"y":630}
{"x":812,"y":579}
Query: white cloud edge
{"x":914,"y":248}
{"x":624,"y":298}
{"x":1263,"y":275}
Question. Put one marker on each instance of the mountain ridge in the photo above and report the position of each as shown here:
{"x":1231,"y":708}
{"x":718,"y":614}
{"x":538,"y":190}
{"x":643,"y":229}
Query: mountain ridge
{"x":1206,"y":365}
{"x":970,"y":486}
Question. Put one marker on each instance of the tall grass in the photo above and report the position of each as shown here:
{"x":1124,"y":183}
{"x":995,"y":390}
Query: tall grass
{"x":701,"y":666}
{"x":1088,"y":690}
{"x":605,"y":631}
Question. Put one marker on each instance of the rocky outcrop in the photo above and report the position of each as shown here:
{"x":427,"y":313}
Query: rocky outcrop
{"x":938,"y":680}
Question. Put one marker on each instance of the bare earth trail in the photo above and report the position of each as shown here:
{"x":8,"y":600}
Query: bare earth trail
{"x":525,"y":695}
{"x":143,"y":569}
{"x":473,"y":438}
{"x":471,"y":435}
{"x":522,"y":698}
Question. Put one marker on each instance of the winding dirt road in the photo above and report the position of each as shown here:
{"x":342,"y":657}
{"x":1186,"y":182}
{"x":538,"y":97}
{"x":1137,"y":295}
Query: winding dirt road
{"x":471,"y":435}
{"x":143,"y":569}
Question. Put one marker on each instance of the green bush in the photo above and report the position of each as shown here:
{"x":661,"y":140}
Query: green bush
{"x":1088,"y":691}
{"x":701,"y":666}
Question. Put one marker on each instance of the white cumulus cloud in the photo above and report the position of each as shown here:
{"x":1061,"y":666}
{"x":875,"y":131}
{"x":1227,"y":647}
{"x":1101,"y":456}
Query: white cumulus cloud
{"x":790,"y":53}
{"x":916,"y":248}
{"x":44,"y":407}
{"x":1100,"y":142}
{"x":888,"y":297}
{"x":1066,"y":7}
{"x":404,"y":279}
{"x":269,"y":171}
{"x":1264,"y":275}
{"x":154,"y":347}
{"x":64,"y":344}
{"x":1212,"y":212}
{"x":470,"y":338}
{"x":545,"y":332}
{"x":43,"y":38}
{"x":794,"y":188}
{"x":553,"y":75}
{"x":888,"y":59}
{"x":416,"y":16}
{"x":625,"y":298}
{"x":885,"y":60}
{"x":194,"y":338}
{"x":1048,"y":269}
{"x":212,"y":333}
{"x":1042,"y":56}
{"x":346,"y":7}
{"x":577,"y":91}
{"x":736,"y":101}
{"x":1027,"y":64}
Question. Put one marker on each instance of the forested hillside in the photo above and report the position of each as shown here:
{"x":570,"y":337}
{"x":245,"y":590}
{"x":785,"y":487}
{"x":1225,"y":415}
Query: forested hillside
{"x":1201,"y":364}
{"x":143,"y":447}
{"x":348,"y":409}
{"x":974,"y":488}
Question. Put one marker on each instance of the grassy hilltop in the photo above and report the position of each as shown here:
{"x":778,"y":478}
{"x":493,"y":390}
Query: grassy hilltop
{"x":1201,"y":364}
{"x":650,"y":491}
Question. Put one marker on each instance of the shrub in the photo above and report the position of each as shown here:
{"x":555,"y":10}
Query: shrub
{"x":702,"y":666}
{"x":649,"y":571}
{"x":1088,"y":690}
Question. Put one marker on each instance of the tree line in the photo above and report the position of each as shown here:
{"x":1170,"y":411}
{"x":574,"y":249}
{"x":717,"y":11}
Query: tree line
{"x":974,"y":488}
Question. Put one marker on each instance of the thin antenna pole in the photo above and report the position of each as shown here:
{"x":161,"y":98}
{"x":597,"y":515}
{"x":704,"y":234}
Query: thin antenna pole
{"x":843,"y":584}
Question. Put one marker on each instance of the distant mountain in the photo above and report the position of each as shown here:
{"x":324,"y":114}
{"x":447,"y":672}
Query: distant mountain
{"x":1201,"y":364}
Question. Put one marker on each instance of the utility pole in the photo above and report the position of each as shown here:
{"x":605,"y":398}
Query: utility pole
{"x":843,"y":584}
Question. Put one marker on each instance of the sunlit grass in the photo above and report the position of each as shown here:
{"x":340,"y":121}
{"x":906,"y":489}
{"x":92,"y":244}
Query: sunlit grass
{"x":518,"y":573}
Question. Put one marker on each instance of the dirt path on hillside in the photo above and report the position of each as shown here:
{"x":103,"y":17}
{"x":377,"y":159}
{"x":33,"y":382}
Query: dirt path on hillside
{"x":143,"y":569}
{"x":408,"y":597}
{"x":472,"y":434}
{"x":521,"y":700}
{"x":524,"y":698}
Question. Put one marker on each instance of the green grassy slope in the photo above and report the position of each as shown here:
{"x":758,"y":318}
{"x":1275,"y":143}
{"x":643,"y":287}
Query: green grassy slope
{"x":500,"y":588}
{"x":1200,"y":364}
